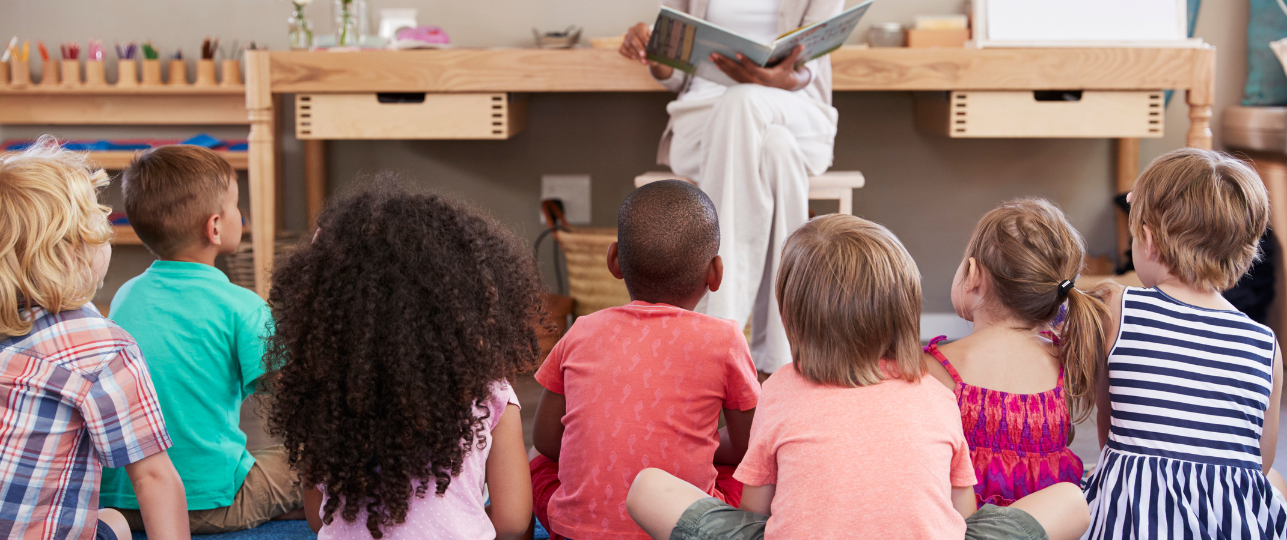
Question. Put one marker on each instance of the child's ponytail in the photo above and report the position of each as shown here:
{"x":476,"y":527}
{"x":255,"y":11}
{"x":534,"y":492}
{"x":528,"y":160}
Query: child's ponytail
{"x":1032,"y":255}
{"x":1081,"y":344}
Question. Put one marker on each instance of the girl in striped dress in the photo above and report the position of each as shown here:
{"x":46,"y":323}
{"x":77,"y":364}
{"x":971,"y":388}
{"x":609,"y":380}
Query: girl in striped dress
{"x":1189,"y":399}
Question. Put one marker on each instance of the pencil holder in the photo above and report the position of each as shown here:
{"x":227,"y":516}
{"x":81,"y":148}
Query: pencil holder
{"x":178,"y":73}
{"x":20,"y":74}
{"x":4,"y":73}
{"x":49,"y":73}
{"x":205,"y":73}
{"x":231,"y":73}
{"x":151,"y":72}
{"x":71,"y":72}
{"x":94,"y":74}
{"x":127,"y":73}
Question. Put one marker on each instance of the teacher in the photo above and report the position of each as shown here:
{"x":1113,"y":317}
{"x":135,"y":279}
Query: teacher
{"x":751,"y":147}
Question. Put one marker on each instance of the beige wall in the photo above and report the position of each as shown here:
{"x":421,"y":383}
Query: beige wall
{"x":928,"y":190}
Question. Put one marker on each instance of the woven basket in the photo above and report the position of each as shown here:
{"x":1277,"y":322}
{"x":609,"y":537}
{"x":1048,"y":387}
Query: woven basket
{"x":241,"y":264}
{"x":590,"y":284}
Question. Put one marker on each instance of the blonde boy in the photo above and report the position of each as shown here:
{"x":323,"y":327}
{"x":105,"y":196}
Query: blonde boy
{"x":76,"y":389}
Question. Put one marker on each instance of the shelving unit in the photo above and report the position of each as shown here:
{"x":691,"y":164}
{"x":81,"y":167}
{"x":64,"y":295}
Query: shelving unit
{"x":127,"y":106}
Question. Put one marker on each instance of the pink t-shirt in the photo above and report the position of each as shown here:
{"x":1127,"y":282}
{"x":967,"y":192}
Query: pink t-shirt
{"x":458,"y":513}
{"x":871,"y":462}
{"x":644,"y":385}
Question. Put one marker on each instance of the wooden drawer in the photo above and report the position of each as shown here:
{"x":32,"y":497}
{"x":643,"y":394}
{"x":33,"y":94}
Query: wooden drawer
{"x":408,"y":116}
{"x":1041,"y":114}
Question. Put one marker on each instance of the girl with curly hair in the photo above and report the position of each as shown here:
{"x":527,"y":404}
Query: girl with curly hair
{"x":397,"y":330}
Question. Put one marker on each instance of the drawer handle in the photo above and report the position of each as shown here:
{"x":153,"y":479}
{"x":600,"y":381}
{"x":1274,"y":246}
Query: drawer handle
{"x":1057,"y":95}
{"x":400,"y":97}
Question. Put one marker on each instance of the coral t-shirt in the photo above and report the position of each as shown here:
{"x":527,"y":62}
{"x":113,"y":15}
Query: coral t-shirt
{"x":871,"y":462}
{"x":644,"y":385}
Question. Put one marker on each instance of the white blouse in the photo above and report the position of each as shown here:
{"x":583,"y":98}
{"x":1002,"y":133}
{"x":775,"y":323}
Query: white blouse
{"x":755,"y":19}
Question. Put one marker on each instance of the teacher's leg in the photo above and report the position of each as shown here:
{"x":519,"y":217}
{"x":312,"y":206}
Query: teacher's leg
{"x":759,"y":147}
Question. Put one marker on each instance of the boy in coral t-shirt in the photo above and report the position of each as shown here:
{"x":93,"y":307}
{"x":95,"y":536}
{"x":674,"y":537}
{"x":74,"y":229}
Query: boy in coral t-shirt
{"x":642,"y":385}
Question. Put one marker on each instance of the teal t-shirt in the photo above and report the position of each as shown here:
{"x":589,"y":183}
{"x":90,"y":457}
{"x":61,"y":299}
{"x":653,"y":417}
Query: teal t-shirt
{"x":203,"y":340}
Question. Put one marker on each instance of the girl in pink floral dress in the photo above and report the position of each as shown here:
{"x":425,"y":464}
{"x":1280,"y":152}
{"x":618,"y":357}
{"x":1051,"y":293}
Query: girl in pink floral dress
{"x":1020,"y":383}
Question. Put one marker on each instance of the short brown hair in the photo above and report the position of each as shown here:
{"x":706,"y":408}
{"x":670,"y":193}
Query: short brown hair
{"x":1207,"y":212}
{"x":1026,"y":249}
{"x":850,"y":296}
{"x":169,"y":192}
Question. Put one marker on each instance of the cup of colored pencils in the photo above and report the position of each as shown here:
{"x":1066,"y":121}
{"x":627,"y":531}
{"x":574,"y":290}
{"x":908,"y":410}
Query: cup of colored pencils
{"x":71,"y":63}
{"x":206,"y":64}
{"x":230,"y":66}
{"x":20,"y":68}
{"x":127,"y":68}
{"x":94,"y":72}
{"x":178,"y":69}
{"x":151,"y":65}
{"x":5,"y":58}
{"x":49,"y":67}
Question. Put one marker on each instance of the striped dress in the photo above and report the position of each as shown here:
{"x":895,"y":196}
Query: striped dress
{"x":1189,"y":388}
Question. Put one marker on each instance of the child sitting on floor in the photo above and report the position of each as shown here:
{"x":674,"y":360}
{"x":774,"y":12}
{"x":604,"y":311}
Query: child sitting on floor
{"x":851,"y":441}
{"x":203,"y":338}
{"x":1190,"y":394}
{"x":642,"y":385}
{"x":76,"y":389}
{"x":397,"y":330}
{"x":1014,"y":379}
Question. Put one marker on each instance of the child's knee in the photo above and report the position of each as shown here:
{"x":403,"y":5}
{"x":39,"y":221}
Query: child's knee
{"x":645,"y":486}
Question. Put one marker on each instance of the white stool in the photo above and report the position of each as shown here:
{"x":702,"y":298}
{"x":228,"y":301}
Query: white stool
{"x":829,"y":186}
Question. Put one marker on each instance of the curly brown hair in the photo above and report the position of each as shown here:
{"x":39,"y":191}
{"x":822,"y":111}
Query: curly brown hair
{"x":392,"y":327}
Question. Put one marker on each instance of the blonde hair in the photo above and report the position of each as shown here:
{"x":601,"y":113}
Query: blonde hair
{"x":1207,"y":212}
{"x":850,"y":296}
{"x":1026,"y":248}
{"x":50,"y":223}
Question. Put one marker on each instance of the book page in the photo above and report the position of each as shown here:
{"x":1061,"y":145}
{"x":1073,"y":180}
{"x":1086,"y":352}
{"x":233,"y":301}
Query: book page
{"x":819,"y":38}
{"x":686,"y":43}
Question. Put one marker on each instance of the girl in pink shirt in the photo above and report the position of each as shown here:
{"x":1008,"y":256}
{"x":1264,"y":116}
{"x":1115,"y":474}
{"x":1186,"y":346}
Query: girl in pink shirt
{"x":1018,"y":384}
{"x":852,"y":442}
{"x":397,"y":329}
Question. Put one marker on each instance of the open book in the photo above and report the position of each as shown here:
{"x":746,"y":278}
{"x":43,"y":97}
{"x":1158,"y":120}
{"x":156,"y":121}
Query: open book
{"x":685,"y":43}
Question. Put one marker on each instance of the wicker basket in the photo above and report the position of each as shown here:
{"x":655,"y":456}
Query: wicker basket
{"x":241,"y":264}
{"x":590,"y":284}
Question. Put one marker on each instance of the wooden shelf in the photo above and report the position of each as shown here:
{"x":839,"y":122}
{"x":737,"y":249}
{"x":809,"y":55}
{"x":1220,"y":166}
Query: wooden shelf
{"x":115,"y":160}
{"x":164,"y":90}
{"x":125,"y":236}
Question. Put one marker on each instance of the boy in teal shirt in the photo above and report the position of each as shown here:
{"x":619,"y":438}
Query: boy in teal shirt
{"x":203,"y":338}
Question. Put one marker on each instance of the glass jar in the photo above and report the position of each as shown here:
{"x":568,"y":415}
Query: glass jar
{"x":347,"y":32}
{"x":886,"y":35}
{"x":300,"y":33}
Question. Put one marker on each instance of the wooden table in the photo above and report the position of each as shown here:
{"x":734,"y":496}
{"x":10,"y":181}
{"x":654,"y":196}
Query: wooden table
{"x":269,"y":73}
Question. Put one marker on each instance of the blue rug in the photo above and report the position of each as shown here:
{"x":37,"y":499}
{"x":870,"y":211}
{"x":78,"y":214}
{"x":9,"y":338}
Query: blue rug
{"x":291,"y":530}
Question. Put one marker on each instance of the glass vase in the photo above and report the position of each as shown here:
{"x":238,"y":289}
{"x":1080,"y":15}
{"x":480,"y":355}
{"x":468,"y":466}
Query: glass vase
{"x":300,"y":35}
{"x":346,"y":23}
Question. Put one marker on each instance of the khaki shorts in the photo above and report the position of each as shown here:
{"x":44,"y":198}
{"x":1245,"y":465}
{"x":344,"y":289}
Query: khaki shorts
{"x":270,"y":490}
{"x":711,"y":519}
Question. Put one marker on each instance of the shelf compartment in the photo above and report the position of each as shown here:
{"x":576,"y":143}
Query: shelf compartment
{"x":1004,"y":114}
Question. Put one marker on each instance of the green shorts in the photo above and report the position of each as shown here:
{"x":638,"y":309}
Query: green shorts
{"x":713,"y":519}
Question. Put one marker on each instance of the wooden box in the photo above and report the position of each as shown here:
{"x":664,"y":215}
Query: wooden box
{"x":1052,"y":114}
{"x":408,"y":116}
{"x":937,"y":37}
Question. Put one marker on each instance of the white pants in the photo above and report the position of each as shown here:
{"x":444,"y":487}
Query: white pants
{"x":752,"y":151}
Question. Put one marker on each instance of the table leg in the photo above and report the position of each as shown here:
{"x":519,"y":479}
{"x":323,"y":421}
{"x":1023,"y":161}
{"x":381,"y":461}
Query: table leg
{"x":1200,"y":96}
{"x":315,"y":177}
{"x":262,"y":170}
{"x":1128,"y":167}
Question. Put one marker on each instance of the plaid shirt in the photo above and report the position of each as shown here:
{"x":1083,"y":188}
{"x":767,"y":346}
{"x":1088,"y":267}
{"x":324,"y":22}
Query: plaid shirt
{"x":77,"y":396}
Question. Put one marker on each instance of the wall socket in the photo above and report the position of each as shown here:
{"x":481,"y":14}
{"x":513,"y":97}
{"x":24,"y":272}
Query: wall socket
{"x":573,"y":190}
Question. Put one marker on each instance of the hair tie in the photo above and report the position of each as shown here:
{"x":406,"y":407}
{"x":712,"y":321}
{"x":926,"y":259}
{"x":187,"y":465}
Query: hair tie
{"x":1065,"y":286}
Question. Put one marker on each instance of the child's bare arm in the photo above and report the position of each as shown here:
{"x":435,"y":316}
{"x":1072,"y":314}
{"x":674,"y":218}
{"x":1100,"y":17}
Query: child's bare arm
{"x":313,"y":508}
{"x":962,"y":500}
{"x":547,"y":428}
{"x":1103,"y":406}
{"x":1269,"y":435}
{"x":547,"y":431}
{"x":509,"y":481}
{"x":735,"y":437}
{"x":758,"y":499}
{"x":161,"y":498}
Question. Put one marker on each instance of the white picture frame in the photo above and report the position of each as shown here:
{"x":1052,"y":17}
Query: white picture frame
{"x":1081,"y":23}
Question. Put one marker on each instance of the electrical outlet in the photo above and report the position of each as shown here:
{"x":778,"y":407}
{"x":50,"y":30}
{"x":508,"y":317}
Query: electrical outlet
{"x":573,"y":190}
